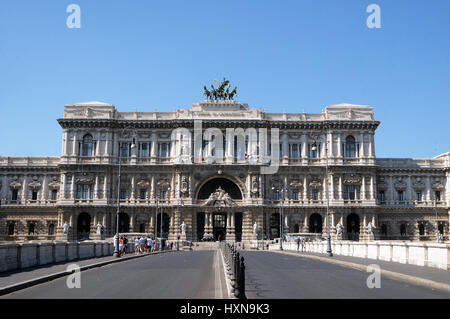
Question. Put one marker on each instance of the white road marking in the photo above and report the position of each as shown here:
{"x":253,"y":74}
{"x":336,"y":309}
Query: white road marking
{"x":218,"y":293}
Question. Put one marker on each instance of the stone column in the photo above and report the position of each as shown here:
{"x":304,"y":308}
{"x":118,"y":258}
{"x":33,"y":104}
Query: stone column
{"x":96,"y":187}
{"x":286,"y":223}
{"x":106,"y":188}
{"x":363,"y":187}
{"x":363,"y":150}
{"x":74,"y":145}
{"x":306,"y":223}
{"x":208,"y":225}
{"x":24,"y":190}
{"x":305,"y":188}
{"x":153,"y":189}
{"x":340,"y":197}
{"x":4,"y":189}
{"x":62,"y":192}
{"x":44,"y":189}
{"x":133,"y":189}
{"x":339,"y":146}
{"x":285,"y":146}
{"x":72,"y":188}
{"x":304,"y":147}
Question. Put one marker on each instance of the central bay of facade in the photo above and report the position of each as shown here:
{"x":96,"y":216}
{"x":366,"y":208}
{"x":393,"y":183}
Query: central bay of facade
{"x":219,"y":180}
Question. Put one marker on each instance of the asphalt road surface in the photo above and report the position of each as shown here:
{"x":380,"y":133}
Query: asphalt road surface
{"x":274,"y":275}
{"x":178,"y":275}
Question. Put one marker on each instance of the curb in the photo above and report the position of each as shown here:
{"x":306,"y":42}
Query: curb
{"x":390,"y":274}
{"x":36,"y":281}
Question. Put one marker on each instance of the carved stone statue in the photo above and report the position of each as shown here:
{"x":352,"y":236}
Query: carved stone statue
{"x":219,"y":198}
{"x":255,"y":229}
{"x":340,"y":230}
{"x":99,"y":228}
{"x":370,"y":228}
{"x":221,"y":93}
{"x":183,"y":229}
{"x":65,"y":228}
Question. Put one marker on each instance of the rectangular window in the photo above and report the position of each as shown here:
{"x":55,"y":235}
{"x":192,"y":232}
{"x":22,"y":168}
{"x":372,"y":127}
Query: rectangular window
{"x":315,"y":194}
{"x":54,"y":194}
{"x":437,"y":195}
{"x":295,"y":194}
{"x":79,"y":189}
{"x":314,"y":151}
{"x":351,"y":192}
{"x":124,"y":150}
{"x":400,"y":196}
{"x":381,"y":196}
{"x":143,"y":194}
{"x":164,"y":150}
{"x":294,"y":150}
{"x":123,"y":194}
{"x":34,"y":195}
{"x":145,"y":150}
{"x":163,"y":194}
{"x":15,"y":194}
{"x":419,"y":196}
{"x":276,"y":195}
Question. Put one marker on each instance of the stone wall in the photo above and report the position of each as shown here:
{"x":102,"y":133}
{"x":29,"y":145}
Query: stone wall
{"x":421,"y":254}
{"x":19,"y":256}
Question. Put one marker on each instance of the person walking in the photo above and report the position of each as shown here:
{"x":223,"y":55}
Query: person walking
{"x":298,"y":243}
{"x":303,"y":244}
{"x":136,"y":246}
{"x":120,"y":245}
{"x":125,"y":245}
{"x":149,"y":245}
{"x":142,"y":245}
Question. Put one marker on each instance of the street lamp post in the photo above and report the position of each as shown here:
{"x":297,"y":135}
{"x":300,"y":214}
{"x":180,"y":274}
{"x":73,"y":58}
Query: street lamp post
{"x":329,"y":251}
{"x":281,"y":218}
{"x":116,"y":238}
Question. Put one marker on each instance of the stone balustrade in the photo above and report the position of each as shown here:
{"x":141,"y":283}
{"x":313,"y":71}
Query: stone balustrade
{"x":421,"y":254}
{"x":23,"y":255}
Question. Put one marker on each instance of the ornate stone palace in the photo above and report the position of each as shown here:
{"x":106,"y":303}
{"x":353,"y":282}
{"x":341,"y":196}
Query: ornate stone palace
{"x":218,"y":191}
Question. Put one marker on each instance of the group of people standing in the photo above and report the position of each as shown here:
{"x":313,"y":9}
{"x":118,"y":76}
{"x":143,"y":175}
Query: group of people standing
{"x":301,"y":243}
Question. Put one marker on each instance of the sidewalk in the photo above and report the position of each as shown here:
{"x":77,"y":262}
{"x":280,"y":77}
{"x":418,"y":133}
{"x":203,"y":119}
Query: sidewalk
{"x":18,"y":276}
{"x":428,"y":273}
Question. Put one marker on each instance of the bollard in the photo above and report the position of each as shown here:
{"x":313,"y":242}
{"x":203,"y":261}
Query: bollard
{"x":242,"y":280}
{"x":237,"y":276}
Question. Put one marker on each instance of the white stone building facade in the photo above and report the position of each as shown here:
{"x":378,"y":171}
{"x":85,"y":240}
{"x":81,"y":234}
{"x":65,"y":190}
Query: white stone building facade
{"x":168,"y":167}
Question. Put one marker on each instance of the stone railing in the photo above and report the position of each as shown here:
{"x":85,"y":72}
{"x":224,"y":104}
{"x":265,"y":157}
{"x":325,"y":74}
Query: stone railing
{"x":29,"y":161}
{"x":24,"y":255}
{"x":421,"y":254}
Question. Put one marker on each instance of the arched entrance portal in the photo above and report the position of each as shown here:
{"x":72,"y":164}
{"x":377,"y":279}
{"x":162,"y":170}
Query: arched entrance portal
{"x":315,"y":223}
{"x":165,"y":225}
{"x":219,"y":195}
{"x":274,"y":226}
{"x":212,"y":185}
{"x":124,"y":223}
{"x":83,"y":225}
{"x":353,"y":227}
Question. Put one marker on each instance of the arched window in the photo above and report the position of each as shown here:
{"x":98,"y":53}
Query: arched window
{"x":441,"y":229}
{"x":384,"y":230}
{"x":421,"y":230}
{"x":31,"y":227}
{"x":403,"y":230}
{"x":51,"y":229}
{"x":11,"y":229}
{"x":88,"y":145}
{"x":350,"y":146}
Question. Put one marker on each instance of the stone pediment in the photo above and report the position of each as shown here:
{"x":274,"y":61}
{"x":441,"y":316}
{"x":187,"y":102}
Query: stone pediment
{"x":295,"y":183}
{"x":315,"y":184}
{"x":35,"y":184}
{"x":400,"y":184}
{"x":437,"y":185}
{"x":15,"y":185}
{"x":418,"y":183}
{"x":53,"y":184}
{"x":163,"y":182}
{"x":352,"y":179}
{"x":143,"y":183}
{"x":220,"y":198}
{"x":85,"y":180}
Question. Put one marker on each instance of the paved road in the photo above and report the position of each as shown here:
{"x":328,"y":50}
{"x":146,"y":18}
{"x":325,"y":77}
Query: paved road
{"x":189,"y":274}
{"x":272,"y":275}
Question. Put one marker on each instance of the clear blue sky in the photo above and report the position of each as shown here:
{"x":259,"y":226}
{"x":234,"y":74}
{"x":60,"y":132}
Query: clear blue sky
{"x":282,"y":55}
